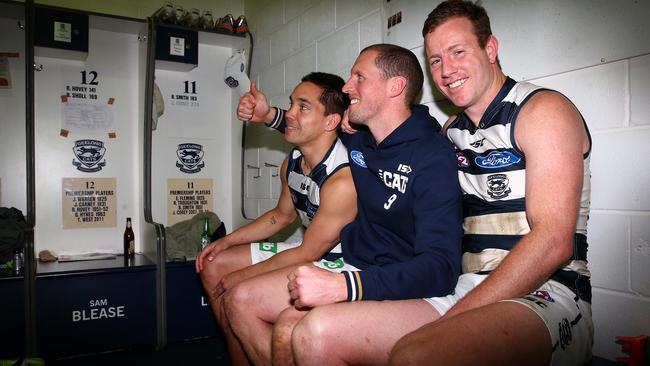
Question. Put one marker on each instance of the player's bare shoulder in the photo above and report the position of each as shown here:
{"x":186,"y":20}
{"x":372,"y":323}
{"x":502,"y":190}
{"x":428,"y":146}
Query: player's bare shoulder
{"x":339,"y":187}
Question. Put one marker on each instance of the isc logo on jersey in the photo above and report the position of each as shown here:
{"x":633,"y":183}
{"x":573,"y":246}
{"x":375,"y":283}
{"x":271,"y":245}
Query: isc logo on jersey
{"x":269,"y":247}
{"x":394,"y":180}
{"x":334,"y":264}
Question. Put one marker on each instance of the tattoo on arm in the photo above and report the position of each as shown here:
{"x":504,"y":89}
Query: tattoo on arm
{"x":273,"y":222}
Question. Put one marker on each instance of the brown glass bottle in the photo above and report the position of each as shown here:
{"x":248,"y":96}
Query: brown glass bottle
{"x":129,"y":240}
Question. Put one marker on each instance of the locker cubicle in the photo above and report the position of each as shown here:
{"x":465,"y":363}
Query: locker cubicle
{"x":15,"y":171}
{"x":79,"y":181}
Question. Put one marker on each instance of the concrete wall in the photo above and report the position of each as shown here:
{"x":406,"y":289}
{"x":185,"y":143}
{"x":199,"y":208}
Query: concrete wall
{"x":596,"y":52}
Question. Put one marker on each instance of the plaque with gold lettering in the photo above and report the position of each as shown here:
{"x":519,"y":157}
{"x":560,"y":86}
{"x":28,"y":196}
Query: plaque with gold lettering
{"x":187,"y":197}
{"x":88,"y":202}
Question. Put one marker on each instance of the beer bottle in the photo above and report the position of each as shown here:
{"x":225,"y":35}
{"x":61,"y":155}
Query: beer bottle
{"x":129,"y":240}
{"x":205,"y":235}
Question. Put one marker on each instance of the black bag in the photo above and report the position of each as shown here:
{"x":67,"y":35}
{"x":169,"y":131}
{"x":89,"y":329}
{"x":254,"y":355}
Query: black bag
{"x":12,"y":232}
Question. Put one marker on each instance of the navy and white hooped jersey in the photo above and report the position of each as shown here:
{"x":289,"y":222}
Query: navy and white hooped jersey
{"x":305,"y":188}
{"x":492,"y":174}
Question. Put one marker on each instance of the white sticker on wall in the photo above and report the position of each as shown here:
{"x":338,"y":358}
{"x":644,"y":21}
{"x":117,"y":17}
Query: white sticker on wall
{"x":177,"y":46}
{"x":190,"y":158}
{"x":63,"y":32}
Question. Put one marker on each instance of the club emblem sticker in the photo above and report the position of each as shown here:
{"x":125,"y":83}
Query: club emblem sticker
{"x":190,"y":158}
{"x":497,"y":185}
{"x":88,"y":155}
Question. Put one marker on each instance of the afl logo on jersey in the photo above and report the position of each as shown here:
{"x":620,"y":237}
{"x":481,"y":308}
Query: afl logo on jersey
{"x":357,"y":157}
{"x":461,"y":160}
{"x":497,"y":159}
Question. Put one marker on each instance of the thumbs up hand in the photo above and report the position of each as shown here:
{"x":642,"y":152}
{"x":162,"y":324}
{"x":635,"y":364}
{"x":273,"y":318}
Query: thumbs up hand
{"x":254,"y":107}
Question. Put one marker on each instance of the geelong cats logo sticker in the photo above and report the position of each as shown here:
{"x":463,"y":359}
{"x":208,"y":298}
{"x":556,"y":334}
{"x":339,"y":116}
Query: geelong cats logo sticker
{"x":190,"y":158}
{"x":88,"y":155}
{"x":497,"y":185}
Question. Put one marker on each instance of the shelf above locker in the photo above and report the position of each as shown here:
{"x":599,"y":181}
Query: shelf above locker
{"x":139,"y":262}
{"x":177,"y":49}
{"x":117,"y":24}
{"x":215,"y":38}
{"x":61,"y":34}
{"x":223,"y":40}
{"x":177,"y":46}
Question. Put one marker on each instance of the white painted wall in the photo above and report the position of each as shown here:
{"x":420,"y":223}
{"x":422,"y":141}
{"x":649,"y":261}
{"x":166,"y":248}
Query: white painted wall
{"x":596,"y":52}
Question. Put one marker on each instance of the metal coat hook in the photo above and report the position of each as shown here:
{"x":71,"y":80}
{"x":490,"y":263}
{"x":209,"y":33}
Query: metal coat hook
{"x":38,"y":67}
{"x":21,"y":26}
{"x":255,"y":167}
{"x":142,"y":37}
{"x":269,"y":165}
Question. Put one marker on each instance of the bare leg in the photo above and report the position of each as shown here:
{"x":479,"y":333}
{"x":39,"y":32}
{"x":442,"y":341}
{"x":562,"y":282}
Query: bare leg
{"x":235,"y":351}
{"x":225,"y":262}
{"x":228,"y":261}
{"x":252,"y":307}
{"x":504,"y":333}
{"x":358,"y":332}
{"x":281,"y":351}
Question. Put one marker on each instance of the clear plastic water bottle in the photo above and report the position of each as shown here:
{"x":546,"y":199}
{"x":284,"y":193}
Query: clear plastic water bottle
{"x":18,"y":261}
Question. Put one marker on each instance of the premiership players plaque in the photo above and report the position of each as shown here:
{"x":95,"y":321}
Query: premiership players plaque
{"x":88,"y":202}
{"x":187,"y":197}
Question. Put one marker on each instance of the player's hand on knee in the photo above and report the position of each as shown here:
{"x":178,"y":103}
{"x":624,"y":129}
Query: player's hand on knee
{"x":209,"y":252}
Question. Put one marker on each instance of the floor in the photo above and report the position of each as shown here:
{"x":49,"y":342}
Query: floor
{"x":207,"y":351}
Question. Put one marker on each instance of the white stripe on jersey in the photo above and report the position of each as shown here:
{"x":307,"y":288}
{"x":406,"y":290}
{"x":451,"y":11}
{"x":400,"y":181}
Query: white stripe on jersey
{"x":491,"y":187}
{"x":338,"y":156}
{"x":520,"y":92}
{"x":508,"y":223}
{"x":481,"y":140}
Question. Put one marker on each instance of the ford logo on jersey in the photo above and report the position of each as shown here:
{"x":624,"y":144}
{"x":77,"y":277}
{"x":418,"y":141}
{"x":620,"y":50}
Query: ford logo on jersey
{"x":497,"y":159}
{"x":357,"y":157}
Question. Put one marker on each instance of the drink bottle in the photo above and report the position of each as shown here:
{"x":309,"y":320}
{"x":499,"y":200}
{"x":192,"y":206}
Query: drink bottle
{"x":129,"y":240}
{"x":205,"y":235}
{"x":18,"y":261}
